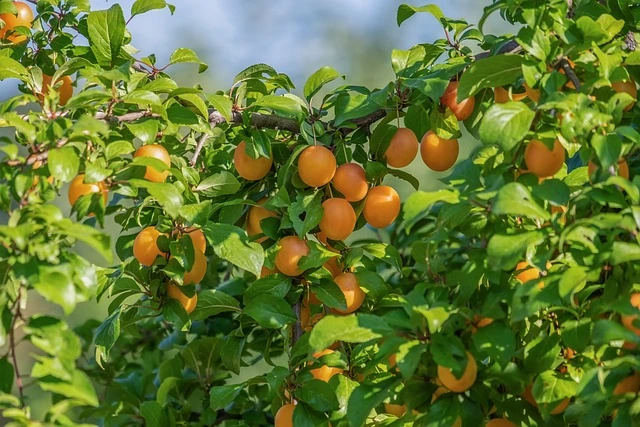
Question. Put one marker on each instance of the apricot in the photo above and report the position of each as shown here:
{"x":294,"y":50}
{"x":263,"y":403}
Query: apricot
{"x":292,"y":249}
{"x":316,"y":166}
{"x":351,"y":181}
{"x":437,"y":153}
{"x":463,"y":383}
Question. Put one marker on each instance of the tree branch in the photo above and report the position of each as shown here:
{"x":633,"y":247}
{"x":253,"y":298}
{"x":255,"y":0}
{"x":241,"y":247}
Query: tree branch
{"x":12,"y":344}
{"x":511,"y":46}
{"x":564,"y":64}
{"x":297,"y":327}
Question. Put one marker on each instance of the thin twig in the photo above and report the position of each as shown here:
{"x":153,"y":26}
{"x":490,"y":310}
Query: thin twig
{"x":12,"y":344}
{"x":297,"y":327}
{"x":203,"y":139}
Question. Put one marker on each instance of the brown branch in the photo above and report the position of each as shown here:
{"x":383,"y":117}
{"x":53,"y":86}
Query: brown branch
{"x":203,"y":139}
{"x":511,"y":46}
{"x":12,"y":344}
{"x":297,"y":327}
{"x":564,"y":64}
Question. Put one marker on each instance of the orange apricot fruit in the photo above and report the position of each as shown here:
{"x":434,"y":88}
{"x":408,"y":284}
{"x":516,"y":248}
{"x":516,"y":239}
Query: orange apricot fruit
{"x":351,"y":180}
{"x":463,"y":109}
{"x":463,"y":383}
{"x":324,"y":373}
{"x":541,"y":161}
{"x":254,"y":218}
{"x":396,"y":410}
{"x":629,"y":320}
{"x":64,"y":88}
{"x":628,"y":86}
{"x":78,"y":188}
{"x":353,"y":293}
{"x":249,"y":168}
{"x":189,"y":304}
{"x":403,"y":148}
{"x":630,"y":384}
{"x":23,"y":18}
{"x":145,"y":246}
{"x":198,"y":269}
{"x":499,"y":422}
{"x":338,"y":219}
{"x":622,"y":169}
{"x":292,"y":249}
{"x":437,"y":153}
{"x":155,"y":151}
{"x":316,"y":166}
{"x":284,"y":416}
{"x":381,"y":207}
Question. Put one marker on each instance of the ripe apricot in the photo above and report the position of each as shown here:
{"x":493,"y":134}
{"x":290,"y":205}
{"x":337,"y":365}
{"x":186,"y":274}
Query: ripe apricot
{"x":396,"y":410}
{"x":463,"y":109}
{"x":628,"y":86}
{"x":353,"y":293}
{"x":462,"y":384}
{"x":402,"y":149}
{"x":198,"y":269}
{"x":439,"y":392}
{"x":528,"y":272}
{"x":189,"y":304}
{"x":292,"y":248}
{"x":145,"y":246}
{"x":324,"y":373}
{"x":23,"y":18}
{"x":628,"y":321}
{"x":630,"y":384}
{"x":156,"y":151}
{"x":479,"y":321}
{"x":622,"y":169}
{"x":500,"y":422}
{"x":284,"y":416}
{"x":316,"y":166}
{"x":306,"y":319}
{"x":255,"y":216}
{"x":501,"y":95}
{"x":63,"y":86}
{"x":381,"y":207}
{"x":333,"y":267}
{"x":338,"y":219}
{"x":541,"y":161}
{"x":266,"y":271}
{"x":351,"y":180}
{"x":198,"y":239}
{"x":249,"y":168}
{"x":437,"y":153}
{"x":78,"y":188}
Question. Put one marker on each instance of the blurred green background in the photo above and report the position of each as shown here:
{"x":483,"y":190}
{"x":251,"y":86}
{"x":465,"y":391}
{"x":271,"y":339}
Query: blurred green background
{"x":355,"y":37}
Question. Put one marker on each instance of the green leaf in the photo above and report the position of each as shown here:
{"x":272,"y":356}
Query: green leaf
{"x":184,"y":55}
{"x":167,"y":195}
{"x":365,"y":398}
{"x":551,"y":387}
{"x":515,"y":199}
{"x":318,"y":395}
{"x":385,"y":253}
{"x":496,"y":341}
{"x":222,"y":104}
{"x":142,"y":98}
{"x":405,"y":176}
{"x":12,"y":69}
{"x":492,"y":71}
{"x":601,"y":31}
{"x":445,"y":125}
{"x":276,"y":284}
{"x":608,"y":148}
{"x":279,"y":104}
{"x":231,"y":353}
{"x":55,"y":284}
{"x":329,"y":293}
{"x":106,"y":34}
{"x":505,"y":251}
{"x":89,"y":235}
{"x":405,"y":61}
{"x":254,"y":71}
{"x":79,"y":388}
{"x":506,"y":124}
{"x":64,"y":163}
{"x":419,"y":203}
{"x":317,"y":80}
{"x":436,"y":316}
{"x":165,"y":387}
{"x":352,"y":328}
{"x":406,"y":11}
{"x":308,"y":207}
{"x":622,"y":252}
{"x":153,"y":414}
{"x":219,"y":184}
{"x":573,"y":280}
{"x":270,"y":312}
{"x":232,"y":244}
{"x":535,"y":42}
{"x":6,"y":375}
{"x":144,"y":6}
{"x":212,"y":302}
{"x":224,"y":395}
{"x":349,"y":106}
{"x":540,"y":354}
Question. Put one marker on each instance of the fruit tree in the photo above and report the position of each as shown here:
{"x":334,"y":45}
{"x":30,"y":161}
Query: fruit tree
{"x":267,"y":273}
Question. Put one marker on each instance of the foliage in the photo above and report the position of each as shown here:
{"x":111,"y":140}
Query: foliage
{"x":444,"y":279}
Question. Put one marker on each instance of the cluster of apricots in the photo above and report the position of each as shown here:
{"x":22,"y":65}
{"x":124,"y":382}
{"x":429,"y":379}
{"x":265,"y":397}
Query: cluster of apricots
{"x":13,"y":32}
